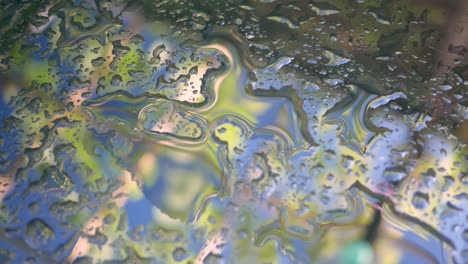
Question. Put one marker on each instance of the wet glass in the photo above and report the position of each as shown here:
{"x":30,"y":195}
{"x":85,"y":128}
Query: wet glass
{"x":237,"y":131}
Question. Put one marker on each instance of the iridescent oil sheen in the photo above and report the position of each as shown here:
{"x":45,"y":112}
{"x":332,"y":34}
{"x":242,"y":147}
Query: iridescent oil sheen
{"x":232,"y":132}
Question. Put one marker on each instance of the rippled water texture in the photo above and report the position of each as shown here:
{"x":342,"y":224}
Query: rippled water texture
{"x":233,"y":131}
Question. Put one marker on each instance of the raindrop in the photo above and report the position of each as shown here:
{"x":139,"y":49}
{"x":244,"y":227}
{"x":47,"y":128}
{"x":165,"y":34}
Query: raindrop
{"x":420,"y":200}
{"x":179,"y":254}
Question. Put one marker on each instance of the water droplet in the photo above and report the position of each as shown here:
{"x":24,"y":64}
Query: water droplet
{"x":420,"y":200}
{"x":395,"y":174}
{"x":179,"y":254}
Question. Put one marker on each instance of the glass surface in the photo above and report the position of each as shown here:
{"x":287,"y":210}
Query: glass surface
{"x":236,"y":131}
